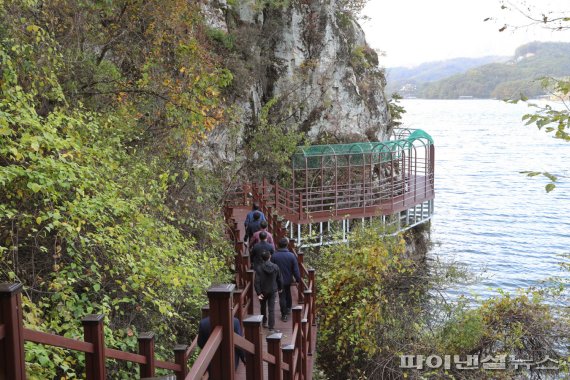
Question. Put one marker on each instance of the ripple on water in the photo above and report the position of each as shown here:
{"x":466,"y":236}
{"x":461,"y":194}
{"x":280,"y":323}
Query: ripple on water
{"x":487,"y":214}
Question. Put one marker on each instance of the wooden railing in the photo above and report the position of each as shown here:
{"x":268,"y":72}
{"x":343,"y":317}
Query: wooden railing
{"x":334,"y":202}
{"x":13,"y":335}
{"x":289,"y":361}
{"x":216,"y":360}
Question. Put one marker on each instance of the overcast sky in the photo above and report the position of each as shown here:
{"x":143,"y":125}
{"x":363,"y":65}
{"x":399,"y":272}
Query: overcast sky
{"x":411,"y":32}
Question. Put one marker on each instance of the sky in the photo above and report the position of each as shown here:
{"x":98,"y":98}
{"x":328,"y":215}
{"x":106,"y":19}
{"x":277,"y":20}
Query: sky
{"x":411,"y":32}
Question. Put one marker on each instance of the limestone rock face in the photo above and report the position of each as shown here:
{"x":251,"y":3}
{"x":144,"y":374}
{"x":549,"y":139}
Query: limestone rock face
{"x":312,"y":58}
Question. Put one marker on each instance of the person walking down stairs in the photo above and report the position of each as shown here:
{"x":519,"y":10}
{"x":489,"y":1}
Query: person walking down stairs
{"x":267,"y":283}
{"x":289,"y":267}
{"x":258,"y":249}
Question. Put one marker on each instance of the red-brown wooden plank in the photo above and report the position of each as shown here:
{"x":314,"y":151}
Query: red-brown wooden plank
{"x":167,"y":365}
{"x":205,"y":357}
{"x":94,"y":362}
{"x":12,"y":364}
{"x":111,"y":353}
{"x":58,"y":341}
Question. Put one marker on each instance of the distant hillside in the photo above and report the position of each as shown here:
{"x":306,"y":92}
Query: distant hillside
{"x":400,"y":78}
{"x":518,"y":75}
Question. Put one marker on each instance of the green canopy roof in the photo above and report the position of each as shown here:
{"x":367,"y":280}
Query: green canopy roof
{"x":315,"y":156}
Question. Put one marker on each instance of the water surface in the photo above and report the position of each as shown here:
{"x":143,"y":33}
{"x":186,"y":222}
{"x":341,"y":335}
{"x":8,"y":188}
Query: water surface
{"x":487,"y":214}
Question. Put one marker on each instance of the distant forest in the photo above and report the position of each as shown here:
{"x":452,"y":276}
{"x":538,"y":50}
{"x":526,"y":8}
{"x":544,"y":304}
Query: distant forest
{"x":497,"y":78}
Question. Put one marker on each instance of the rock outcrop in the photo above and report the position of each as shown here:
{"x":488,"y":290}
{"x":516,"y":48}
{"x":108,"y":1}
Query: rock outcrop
{"x":310,"y":57}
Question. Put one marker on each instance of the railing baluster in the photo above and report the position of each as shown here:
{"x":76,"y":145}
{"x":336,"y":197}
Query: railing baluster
{"x":300,"y":286}
{"x":254,"y":363}
{"x":297,"y":316}
{"x":93,"y":333}
{"x":205,"y":311}
{"x":309,"y":304}
{"x":303,"y":356}
{"x":146,"y":348}
{"x":288,"y":353}
{"x":223,"y":364}
{"x":238,"y":301}
{"x":312,"y":278}
{"x":250,"y":275}
{"x":274,"y":348}
{"x":12,"y":364}
{"x":181,"y":359}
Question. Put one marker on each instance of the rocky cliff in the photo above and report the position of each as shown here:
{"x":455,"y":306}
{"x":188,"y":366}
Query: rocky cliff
{"x":311,"y":58}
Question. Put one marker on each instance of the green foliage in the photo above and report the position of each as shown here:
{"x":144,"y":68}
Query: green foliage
{"x":144,"y":59}
{"x":367,"y":296}
{"x":221,"y":37}
{"x":548,"y":187}
{"x":270,"y":147}
{"x":96,"y":215}
{"x":353,"y":7}
{"x":344,"y":20}
{"x":363,"y":58}
{"x":551,"y":120}
{"x":396,"y":110}
{"x":377,"y":304}
{"x":522,"y":325}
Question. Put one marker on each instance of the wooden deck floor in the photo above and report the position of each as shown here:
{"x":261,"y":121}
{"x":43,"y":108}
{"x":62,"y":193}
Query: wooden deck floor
{"x":286,"y":328}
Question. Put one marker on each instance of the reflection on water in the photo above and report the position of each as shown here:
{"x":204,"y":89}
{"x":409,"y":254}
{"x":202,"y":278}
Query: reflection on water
{"x":487,"y":214}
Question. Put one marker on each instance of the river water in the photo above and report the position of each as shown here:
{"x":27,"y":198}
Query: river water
{"x":488,"y":216}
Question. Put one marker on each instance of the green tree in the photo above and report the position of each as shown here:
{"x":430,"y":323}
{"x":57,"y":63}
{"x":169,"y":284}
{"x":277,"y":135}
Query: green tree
{"x":100,"y":211}
{"x":552,"y":120}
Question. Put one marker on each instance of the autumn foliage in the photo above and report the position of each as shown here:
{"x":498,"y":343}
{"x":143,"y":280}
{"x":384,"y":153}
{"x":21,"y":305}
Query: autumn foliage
{"x":101,"y":103}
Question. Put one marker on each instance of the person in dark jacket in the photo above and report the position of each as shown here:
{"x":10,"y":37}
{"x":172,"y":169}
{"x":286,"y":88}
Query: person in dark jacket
{"x":253,"y":226}
{"x":289,"y":267}
{"x":258,"y":249}
{"x":249,"y":217}
{"x":267,"y":283}
{"x":204,"y":330}
{"x":255,"y":238}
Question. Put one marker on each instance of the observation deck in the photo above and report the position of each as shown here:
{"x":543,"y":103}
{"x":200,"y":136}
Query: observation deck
{"x":333,"y":187}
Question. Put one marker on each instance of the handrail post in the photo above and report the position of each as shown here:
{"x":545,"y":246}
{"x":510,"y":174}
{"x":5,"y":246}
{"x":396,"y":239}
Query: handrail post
{"x":269,"y":216}
{"x":309,"y":304}
{"x":297,"y":315}
{"x":146,"y":348}
{"x":250,"y":275}
{"x":312,"y":279}
{"x":205,"y":311}
{"x":223,"y":364}
{"x":181,"y":359}
{"x":93,"y":333}
{"x":12,"y":363}
{"x":300,"y":207}
{"x":300,"y":286}
{"x":291,"y":246}
{"x":254,"y":363}
{"x":238,"y":301}
{"x":288,"y":352}
{"x":303,"y":355}
{"x":237,"y":264}
{"x":246,"y":264}
{"x":274,"y":348}
{"x":277,"y":196}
